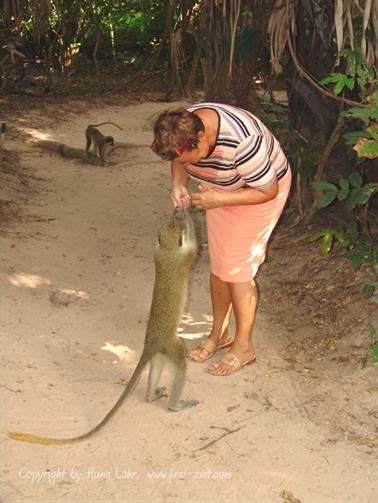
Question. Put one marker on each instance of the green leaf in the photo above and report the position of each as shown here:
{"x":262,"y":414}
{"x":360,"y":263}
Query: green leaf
{"x":327,"y":244}
{"x":365,"y":72}
{"x":368,"y":290}
{"x":357,"y":261}
{"x":332,"y":78}
{"x":353,"y":199}
{"x":322,"y":185}
{"x":371,"y":330}
{"x":327,"y":199}
{"x":374,"y":299}
{"x":359,"y":197}
{"x":368,"y":149}
{"x":371,"y":282}
{"x":343,"y":194}
{"x":352,"y":137}
{"x":343,"y":239}
{"x":340,"y":80}
{"x":318,"y":234}
{"x":373,"y":131}
{"x":366,"y":192}
{"x":374,"y":352}
{"x":366,"y":114}
{"x":355,"y":179}
{"x":339,"y":86}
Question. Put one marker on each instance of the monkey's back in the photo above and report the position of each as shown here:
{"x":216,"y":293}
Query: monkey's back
{"x":169,"y":293}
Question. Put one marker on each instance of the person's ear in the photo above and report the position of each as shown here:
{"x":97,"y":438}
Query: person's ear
{"x":201,"y":136}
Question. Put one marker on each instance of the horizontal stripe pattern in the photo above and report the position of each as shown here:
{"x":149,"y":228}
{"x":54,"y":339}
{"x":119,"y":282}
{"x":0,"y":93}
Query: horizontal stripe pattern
{"x":246,"y":153}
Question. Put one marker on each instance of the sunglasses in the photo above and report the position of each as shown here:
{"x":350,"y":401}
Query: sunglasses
{"x":173,"y":154}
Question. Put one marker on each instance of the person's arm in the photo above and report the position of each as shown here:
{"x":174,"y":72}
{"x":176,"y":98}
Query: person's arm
{"x":209,"y":198}
{"x":180,"y":195}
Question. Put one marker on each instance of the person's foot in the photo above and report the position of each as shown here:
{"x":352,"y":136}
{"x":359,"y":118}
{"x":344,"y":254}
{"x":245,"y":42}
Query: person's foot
{"x":231,"y":363}
{"x":209,"y":347}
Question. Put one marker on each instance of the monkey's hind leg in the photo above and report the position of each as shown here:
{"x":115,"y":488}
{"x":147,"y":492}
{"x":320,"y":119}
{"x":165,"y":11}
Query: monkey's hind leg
{"x":88,"y":144}
{"x":179,"y":367}
{"x":156,"y":367}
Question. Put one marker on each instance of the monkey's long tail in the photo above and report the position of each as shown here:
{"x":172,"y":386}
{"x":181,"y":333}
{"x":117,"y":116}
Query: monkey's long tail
{"x":25,"y":437}
{"x":102,"y":123}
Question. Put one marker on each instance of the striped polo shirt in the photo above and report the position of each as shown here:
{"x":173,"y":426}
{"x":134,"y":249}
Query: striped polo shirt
{"x":246,"y":153}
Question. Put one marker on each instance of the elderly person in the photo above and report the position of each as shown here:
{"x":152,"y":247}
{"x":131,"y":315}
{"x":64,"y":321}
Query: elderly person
{"x":243,"y":183}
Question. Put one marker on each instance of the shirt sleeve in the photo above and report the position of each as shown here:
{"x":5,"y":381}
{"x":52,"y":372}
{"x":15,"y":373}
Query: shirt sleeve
{"x":252,"y":161}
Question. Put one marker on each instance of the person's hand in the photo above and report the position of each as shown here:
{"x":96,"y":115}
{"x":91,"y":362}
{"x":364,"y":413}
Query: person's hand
{"x":180,"y":197}
{"x":207,"y":198}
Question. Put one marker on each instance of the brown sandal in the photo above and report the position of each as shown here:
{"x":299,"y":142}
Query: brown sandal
{"x":211,"y":348}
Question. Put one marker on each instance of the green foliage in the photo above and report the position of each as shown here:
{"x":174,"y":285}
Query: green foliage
{"x":352,"y":190}
{"x":366,"y":114}
{"x":363,"y":251}
{"x":340,"y":80}
{"x":352,"y":137}
{"x":355,"y":247}
{"x":365,"y":142}
{"x":77,"y":23}
{"x":363,"y":79}
{"x":358,"y":252}
{"x":357,"y":75}
{"x":346,"y":239}
{"x":373,"y":342}
{"x":369,"y":149}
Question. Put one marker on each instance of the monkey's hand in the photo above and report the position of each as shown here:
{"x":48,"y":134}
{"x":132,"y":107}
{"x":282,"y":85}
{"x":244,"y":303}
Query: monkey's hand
{"x":207,"y":198}
{"x":180,"y":197}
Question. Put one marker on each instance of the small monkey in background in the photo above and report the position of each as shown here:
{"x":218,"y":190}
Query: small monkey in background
{"x":174,"y":255}
{"x":100,"y":142}
{"x":11,"y":52}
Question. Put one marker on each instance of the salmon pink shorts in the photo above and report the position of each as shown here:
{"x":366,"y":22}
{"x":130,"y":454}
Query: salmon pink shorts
{"x":238,"y":235}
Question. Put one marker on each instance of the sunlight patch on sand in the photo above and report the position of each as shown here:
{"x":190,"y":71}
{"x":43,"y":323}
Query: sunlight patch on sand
{"x":37,"y":135}
{"x":118,"y":350}
{"x":78,"y":294}
{"x":192,"y":328}
{"x":23,"y":279}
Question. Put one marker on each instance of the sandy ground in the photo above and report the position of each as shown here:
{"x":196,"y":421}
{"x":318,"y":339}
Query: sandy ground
{"x":76,"y":278}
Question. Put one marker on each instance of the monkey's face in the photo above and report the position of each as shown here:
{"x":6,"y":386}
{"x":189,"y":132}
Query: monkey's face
{"x":170,"y":236}
{"x":109,"y":139}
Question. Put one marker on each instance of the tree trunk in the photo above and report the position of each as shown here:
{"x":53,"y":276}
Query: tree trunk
{"x":191,"y":84}
{"x":96,"y":20}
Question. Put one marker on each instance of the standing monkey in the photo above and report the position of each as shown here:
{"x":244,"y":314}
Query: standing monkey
{"x":99,"y":141}
{"x":175,"y":253}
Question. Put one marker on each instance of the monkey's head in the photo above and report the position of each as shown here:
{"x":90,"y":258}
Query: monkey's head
{"x":109,"y":139}
{"x":170,"y":236}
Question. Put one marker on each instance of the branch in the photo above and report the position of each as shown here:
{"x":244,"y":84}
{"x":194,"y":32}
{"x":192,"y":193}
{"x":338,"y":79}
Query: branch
{"x":333,"y":139}
{"x":212,"y":442}
{"x":312,"y":80}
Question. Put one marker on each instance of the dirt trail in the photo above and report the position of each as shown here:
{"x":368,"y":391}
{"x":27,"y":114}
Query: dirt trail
{"x":76,"y":280}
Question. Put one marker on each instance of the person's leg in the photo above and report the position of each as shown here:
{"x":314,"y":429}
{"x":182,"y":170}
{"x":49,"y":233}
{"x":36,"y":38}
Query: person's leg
{"x":244,"y":300}
{"x":221,"y":304}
